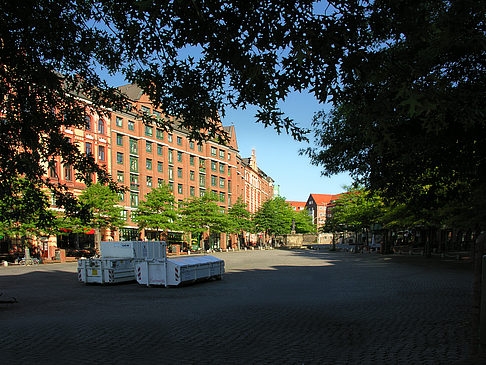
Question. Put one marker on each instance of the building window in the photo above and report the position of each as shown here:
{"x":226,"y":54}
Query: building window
{"x":192,"y":175}
{"x":160,"y":150}
{"x":191,"y":145}
{"x":159,"y":133}
{"x":119,"y":122}
{"x":119,"y":157}
{"x":160,"y":166}
{"x":149,"y":181}
{"x":148,"y":164}
{"x":229,"y":185}
{"x":119,"y":139}
{"x":202,"y":165}
{"x":134,"y":182}
{"x":214,"y":180}
{"x":213,"y":166}
{"x":179,"y":141}
{"x":121,"y":196}
{"x":229,"y":156}
{"x":221,"y":168}
{"x":133,"y":164}
{"x":169,"y":137}
{"x":192,"y":191}
{"x":148,"y":146}
{"x":88,"y":148}
{"x":179,"y":156}
{"x":171,"y":156}
{"x":191,"y":160}
{"x":222,"y":197}
{"x":133,"y":146}
{"x":145,"y":110}
{"x":221,"y":182}
{"x":229,"y":171}
{"x":179,"y":188}
{"x":134,"y":199}
{"x":101,"y":126}
{"x":179,"y":173}
{"x":221,"y":154}
{"x":119,"y":176}
{"x":123,"y":215}
{"x":171,"y":186}
{"x":149,"y":131}
{"x":171,"y":173}
{"x":214,"y":151}
{"x":131,"y":125}
{"x":202,"y":192}
{"x":160,"y":182}
{"x":101,"y":153}
{"x":87,"y":122}
{"x":53,"y":170}
{"x":199,"y":147}
{"x":68,"y":172}
{"x":202,"y":181}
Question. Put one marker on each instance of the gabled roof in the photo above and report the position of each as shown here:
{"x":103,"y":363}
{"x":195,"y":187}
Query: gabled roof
{"x":323,"y":199}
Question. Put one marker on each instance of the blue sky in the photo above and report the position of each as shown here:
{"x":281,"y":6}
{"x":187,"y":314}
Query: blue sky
{"x":277,"y":155}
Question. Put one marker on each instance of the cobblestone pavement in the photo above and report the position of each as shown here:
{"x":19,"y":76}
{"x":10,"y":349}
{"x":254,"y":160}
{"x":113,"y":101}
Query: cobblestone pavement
{"x":272,"y":307}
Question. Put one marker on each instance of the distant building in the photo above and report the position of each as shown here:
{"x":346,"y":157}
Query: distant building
{"x":317,"y":205}
{"x":259,"y":187}
{"x":297,"y":206}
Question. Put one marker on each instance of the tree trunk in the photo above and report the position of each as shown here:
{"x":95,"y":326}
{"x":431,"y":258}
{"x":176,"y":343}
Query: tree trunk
{"x":97,"y":239}
{"x":478,"y":252}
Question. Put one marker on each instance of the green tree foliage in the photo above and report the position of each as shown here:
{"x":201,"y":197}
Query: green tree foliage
{"x":157,"y":211}
{"x":239,"y":219}
{"x":203,"y":214}
{"x":355,"y":210}
{"x":100,"y":206}
{"x":274,"y":217}
{"x":304,"y":222}
{"x":408,"y":111}
{"x":51,"y":53}
{"x":24,"y":209}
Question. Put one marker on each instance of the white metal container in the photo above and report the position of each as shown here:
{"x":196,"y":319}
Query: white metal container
{"x":106,"y":270}
{"x":133,"y":249}
{"x":176,"y":271}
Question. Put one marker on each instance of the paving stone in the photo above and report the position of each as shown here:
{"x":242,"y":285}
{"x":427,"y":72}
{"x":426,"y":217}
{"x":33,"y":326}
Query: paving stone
{"x":272,"y":307}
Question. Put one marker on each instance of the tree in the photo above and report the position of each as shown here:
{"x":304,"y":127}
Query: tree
{"x":274,"y":217}
{"x":203,"y":214}
{"x":51,"y":55}
{"x":239,"y":218}
{"x":100,"y":210}
{"x":157,"y":211}
{"x":303,"y":222}
{"x":24,"y":211}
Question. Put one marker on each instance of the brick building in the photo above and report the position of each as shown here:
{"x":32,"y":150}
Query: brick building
{"x":258,"y":186}
{"x":317,"y":205}
{"x":141,"y":157}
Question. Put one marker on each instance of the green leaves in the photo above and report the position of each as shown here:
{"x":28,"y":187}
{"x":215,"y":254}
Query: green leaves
{"x":101,"y":205}
{"x":157,"y":211}
{"x":201,"y":214}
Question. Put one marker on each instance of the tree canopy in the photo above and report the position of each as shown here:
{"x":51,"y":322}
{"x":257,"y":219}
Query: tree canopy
{"x":406,"y":80}
{"x":157,"y":211}
{"x":408,"y":114}
{"x":102,"y":211}
{"x":274,"y":217}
